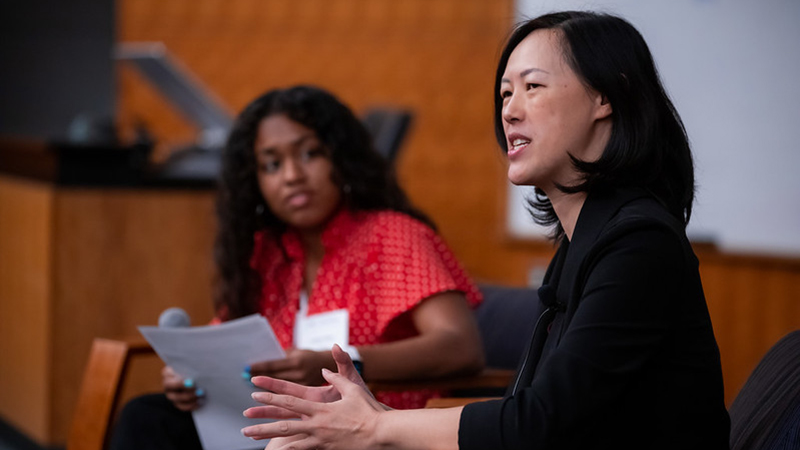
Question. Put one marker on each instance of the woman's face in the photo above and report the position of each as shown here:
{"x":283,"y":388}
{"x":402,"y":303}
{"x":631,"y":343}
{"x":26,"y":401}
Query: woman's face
{"x":295,"y":173}
{"x":548,"y":113}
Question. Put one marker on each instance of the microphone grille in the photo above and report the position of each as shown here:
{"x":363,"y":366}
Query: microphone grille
{"x":173,"y":318}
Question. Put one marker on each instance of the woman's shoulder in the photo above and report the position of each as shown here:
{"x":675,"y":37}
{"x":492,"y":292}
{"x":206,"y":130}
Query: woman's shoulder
{"x":646,"y":225}
{"x":645,"y":213}
{"x":389,"y":222}
{"x":387,"y":232}
{"x":628,"y":219}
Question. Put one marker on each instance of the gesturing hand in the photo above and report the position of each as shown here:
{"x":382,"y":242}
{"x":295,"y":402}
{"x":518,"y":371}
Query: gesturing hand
{"x":346,"y":423}
{"x":324,"y":394}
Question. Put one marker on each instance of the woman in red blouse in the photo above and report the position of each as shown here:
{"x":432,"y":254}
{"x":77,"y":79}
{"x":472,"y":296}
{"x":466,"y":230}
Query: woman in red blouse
{"x":311,"y":221}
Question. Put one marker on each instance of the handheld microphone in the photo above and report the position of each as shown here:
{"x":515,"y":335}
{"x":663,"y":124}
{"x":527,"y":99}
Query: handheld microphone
{"x":174,"y":318}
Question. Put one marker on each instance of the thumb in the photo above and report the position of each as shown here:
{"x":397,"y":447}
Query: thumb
{"x":341,"y":357}
{"x":346,"y":369}
{"x":344,"y":365}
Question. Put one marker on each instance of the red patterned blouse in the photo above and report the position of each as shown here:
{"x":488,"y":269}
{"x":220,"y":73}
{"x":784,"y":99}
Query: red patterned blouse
{"x":377,"y":264}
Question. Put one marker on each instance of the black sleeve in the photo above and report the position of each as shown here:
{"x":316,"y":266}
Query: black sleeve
{"x":622,"y":317}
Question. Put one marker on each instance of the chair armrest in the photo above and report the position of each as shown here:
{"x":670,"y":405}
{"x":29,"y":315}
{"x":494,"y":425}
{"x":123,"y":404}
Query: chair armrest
{"x":100,"y":389}
{"x":488,"y":378}
{"x":451,"y":402}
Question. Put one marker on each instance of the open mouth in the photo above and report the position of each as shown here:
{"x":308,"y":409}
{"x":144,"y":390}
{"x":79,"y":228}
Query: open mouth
{"x":518,"y":143}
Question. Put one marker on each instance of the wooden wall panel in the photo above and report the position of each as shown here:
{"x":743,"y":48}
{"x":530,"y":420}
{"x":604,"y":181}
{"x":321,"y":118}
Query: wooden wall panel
{"x":76,"y":264}
{"x":754,"y":301}
{"x":436,"y":57}
{"x":25,"y":316}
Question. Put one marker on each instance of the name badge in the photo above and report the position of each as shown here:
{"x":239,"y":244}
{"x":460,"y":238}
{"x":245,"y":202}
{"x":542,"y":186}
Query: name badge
{"x":320,"y":331}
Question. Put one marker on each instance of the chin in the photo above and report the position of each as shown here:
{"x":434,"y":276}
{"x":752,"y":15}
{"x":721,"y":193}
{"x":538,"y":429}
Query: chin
{"x":519,"y":179}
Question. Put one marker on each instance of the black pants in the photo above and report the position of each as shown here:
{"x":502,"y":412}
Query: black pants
{"x":151,"y":422}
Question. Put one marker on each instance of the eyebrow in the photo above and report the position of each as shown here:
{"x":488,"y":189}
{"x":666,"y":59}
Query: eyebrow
{"x":525,"y":72}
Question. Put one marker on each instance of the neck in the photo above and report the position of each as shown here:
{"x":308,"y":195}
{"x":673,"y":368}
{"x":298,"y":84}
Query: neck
{"x":312,"y":244}
{"x":314,"y":251}
{"x":567,"y":208}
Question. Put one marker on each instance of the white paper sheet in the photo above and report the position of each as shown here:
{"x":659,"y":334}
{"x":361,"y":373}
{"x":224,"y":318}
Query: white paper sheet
{"x":215,"y":356}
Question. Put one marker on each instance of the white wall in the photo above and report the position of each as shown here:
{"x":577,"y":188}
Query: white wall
{"x":732,"y":68}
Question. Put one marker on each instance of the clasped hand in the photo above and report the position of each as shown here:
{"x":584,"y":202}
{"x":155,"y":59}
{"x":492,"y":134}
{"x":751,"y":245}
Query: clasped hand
{"x":342,"y":415}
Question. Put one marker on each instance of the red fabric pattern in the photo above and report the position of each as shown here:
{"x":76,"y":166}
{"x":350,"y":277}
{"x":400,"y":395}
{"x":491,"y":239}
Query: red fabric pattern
{"x":378,"y":265}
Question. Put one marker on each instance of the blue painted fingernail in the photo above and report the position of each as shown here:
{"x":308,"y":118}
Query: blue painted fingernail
{"x":188,"y":383}
{"x":246,"y":373}
{"x":200,"y":392}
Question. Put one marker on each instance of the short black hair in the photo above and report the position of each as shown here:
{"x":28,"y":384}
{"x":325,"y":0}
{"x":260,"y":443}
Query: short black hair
{"x":648,"y":146}
{"x":366,"y":178}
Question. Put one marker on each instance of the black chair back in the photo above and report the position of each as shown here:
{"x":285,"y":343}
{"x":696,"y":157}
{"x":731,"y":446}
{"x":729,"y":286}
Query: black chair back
{"x":506,"y":319}
{"x":388,"y":127}
{"x":766,"y":413}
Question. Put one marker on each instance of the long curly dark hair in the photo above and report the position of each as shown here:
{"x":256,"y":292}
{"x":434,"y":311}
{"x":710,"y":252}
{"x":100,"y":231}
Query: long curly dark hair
{"x":241,"y":209}
{"x":648,"y":147}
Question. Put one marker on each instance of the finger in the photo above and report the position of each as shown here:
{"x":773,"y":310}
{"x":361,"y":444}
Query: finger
{"x":182,"y":402}
{"x":269,"y":412}
{"x":182,"y":396}
{"x":299,"y":442}
{"x":289,"y":402}
{"x":186,"y":406}
{"x":276,"y":429}
{"x":168,"y":372}
{"x":279,"y":443}
{"x":174,"y":387}
{"x":169,"y":377}
{"x":280,"y":386}
{"x":187,"y":386}
{"x":177,"y":383}
{"x":179,"y":388}
{"x":172,"y":381}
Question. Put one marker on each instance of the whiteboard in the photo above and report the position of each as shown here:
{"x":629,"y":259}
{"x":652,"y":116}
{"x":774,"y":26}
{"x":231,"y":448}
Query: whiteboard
{"x":732,"y":68}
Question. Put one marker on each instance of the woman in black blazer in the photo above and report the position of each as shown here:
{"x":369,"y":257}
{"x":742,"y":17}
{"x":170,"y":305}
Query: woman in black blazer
{"x":625,"y":355}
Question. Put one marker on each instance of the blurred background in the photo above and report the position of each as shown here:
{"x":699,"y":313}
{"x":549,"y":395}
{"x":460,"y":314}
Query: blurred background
{"x":94,"y":241}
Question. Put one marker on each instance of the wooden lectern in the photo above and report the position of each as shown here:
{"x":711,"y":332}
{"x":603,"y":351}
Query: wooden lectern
{"x":91,"y":245}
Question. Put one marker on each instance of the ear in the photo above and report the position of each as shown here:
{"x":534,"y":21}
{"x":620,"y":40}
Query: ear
{"x":602,"y":106}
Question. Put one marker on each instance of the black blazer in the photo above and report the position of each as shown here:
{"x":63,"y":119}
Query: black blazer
{"x":630,"y":360}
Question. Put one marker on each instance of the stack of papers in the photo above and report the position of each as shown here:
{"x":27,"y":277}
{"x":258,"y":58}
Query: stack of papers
{"x":214,"y":357}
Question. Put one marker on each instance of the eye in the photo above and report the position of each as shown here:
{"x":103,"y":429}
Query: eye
{"x":530,"y":86}
{"x":269,"y":166}
{"x":313,"y":152}
{"x":505,"y":93}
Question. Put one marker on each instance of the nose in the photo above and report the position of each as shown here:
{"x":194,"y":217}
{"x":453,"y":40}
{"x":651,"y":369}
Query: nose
{"x":512,"y":109}
{"x":293,"y":171}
